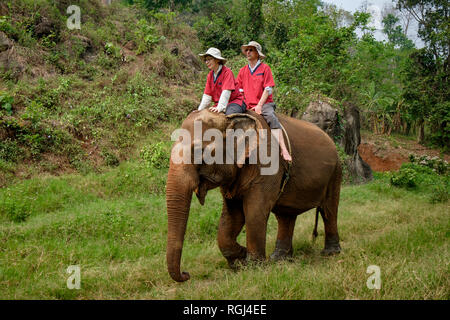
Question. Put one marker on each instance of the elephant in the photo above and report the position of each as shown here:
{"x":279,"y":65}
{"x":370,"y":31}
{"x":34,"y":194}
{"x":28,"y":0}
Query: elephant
{"x":312,"y":180}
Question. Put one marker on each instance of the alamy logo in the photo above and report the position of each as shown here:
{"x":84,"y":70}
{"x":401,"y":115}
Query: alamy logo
{"x":74,"y":280}
{"x":374,"y":281}
{"x":239,"y":145}
{"x":74,"y":21}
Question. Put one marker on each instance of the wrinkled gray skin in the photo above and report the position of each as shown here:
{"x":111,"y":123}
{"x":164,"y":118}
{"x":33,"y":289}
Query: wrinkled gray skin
{"x":249,"y":197}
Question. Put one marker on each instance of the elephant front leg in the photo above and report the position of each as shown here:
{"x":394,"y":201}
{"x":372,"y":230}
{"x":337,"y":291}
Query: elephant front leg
{"x":256,"y":211}
{"x":230,"y":225}
{"x":283,"y":247}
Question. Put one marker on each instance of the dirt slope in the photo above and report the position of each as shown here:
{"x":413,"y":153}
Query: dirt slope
{"x":388,"y":153}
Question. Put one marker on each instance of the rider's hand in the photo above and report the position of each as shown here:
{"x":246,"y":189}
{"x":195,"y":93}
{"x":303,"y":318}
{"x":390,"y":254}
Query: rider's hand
{"x":258,"y":109}
{"x":213,"y":109}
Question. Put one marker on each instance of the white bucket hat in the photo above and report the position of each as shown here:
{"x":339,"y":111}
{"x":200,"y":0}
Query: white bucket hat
{"x":255,"y":45}
{"x":213,"y":52}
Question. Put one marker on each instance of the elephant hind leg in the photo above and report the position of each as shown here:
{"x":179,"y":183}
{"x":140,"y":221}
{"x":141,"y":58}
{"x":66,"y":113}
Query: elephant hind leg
{"x":283,"y":247}
{"x":329,"y":213}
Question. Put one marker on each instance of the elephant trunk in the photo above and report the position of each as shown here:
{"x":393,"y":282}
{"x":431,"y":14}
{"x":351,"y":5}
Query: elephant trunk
{"x":179,"y":190}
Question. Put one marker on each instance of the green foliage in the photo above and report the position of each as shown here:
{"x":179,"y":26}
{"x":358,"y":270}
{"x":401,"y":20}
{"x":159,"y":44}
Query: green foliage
{"x":160,"y":4}
{"x":254,"y":14}
{"x":155,"y":156}
{"x":112,"y":50}
{"x":6,"y":102}
{"x":10,"y":150}
{"x":427,"y":174}
{"x":440,"y":192}
{"x":34,"y":112}
{"x":343,"y":157}
{"x":221,"y":31}
{"x":404,"y":178}
{"x":427,"y":94}
{"x":432,"y":16}
{"x":315,"y":58}
{"x":146,"y":36}
{"x":436,"y":164}
{"x":280,"y":17}
{"x":395,"y":32}
{"x":7,"y":28}
{"x":14,"y":211}
{"x":110,"y":158}
{"x":426,"y":74}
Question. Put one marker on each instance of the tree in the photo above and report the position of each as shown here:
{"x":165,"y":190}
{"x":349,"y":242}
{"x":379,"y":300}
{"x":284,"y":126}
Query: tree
{"x":395,"y":33}
{"x":255,"y":20}
{"x":434,"y":28}
{"x":426,"y":79}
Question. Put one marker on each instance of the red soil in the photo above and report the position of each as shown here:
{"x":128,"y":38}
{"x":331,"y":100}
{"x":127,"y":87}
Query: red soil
{"x":383,"y":153}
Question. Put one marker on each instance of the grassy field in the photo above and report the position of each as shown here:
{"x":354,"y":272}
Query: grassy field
{"x":113,"y":225}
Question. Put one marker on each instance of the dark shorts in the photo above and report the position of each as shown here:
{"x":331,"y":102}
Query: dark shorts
{"x":233,"y":108}
{"x":268,"y":112}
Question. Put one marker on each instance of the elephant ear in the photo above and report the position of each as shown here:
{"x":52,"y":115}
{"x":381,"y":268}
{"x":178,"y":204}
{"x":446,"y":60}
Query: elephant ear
{"x":245,"y":129}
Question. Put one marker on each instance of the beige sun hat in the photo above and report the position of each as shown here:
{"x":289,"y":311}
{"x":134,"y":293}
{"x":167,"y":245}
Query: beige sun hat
{"x":255,"y":45}
{"x":213,"y":52}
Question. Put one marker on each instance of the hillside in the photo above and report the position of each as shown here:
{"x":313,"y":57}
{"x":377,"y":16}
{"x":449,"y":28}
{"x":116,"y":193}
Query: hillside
{"x":79,"y":100}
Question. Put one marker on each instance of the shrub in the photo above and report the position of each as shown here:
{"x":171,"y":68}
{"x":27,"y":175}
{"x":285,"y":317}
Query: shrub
{"x":440,"y":166}
{"x":146,"y":37}
{"x":440,"y":192}
{"x":155,"y":156}
{"x":110,"y":158}
{"x":343,"y":158}
{"x":404,"y":178}
{"x":112,"y":50}
{"x":15,"y":210}
{"x":223,"y":32}
{"x":10,"y":151}
{"x":6,"y":102}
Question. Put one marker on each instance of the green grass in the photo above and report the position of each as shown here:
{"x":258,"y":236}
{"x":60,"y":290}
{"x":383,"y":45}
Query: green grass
{"x":113,"y":225}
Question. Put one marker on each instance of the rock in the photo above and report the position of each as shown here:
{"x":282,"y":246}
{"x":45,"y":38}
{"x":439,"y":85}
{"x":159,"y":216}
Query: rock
{"x":5,"y":42}
{"x":192,"y":61}
{"x":11,"y":66}
{"x":326,"y":117}
{"x":359,"y":170}
{"x":343,"y":126}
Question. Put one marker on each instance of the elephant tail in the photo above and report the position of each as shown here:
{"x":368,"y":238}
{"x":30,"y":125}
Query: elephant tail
{"x":315,"y":234}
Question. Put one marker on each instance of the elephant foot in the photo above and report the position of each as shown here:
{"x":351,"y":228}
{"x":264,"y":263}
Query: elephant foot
{"x":281,"y":252}
{"x":237,"y":259}
{"x":331,"y":248}
{"x":236,"y":264}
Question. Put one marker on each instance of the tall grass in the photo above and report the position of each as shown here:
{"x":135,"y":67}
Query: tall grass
{"x":113,"y":225}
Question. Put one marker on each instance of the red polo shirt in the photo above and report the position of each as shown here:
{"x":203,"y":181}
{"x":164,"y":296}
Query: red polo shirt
{"x":224,"y":81}
{"x":253,"y":83}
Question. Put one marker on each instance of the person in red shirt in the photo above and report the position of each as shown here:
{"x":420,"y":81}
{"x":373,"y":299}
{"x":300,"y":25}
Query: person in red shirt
{"x":220,"y":86}
{"x":256,"y":82}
